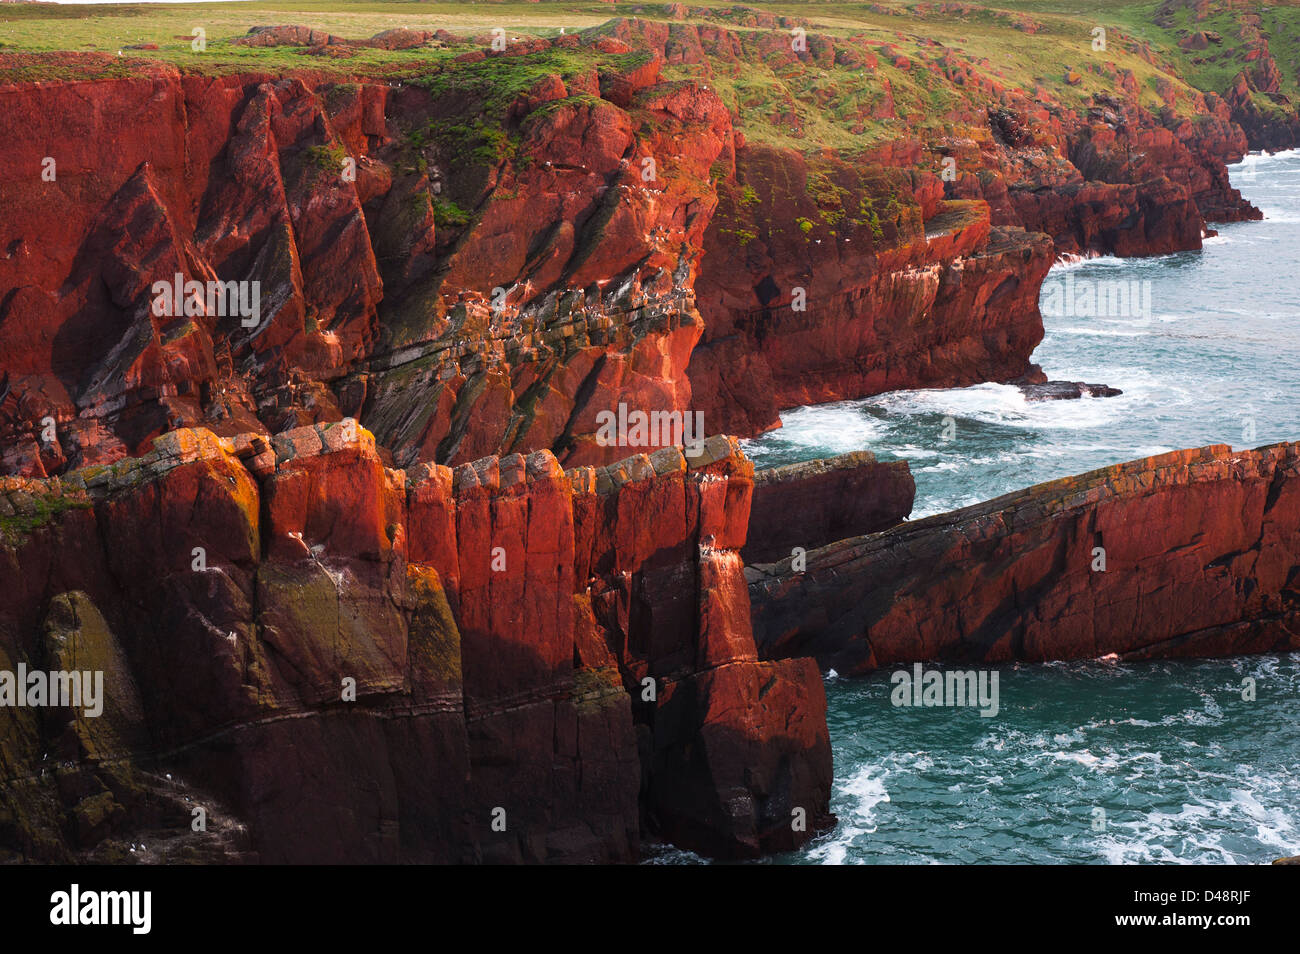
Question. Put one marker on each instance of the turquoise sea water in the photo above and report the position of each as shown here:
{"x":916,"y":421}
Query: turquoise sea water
{"x":1216,"y":361}
{"x":1184,"y":769}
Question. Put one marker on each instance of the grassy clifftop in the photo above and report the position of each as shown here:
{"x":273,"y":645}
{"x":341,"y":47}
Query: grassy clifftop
{"x":872,"y":72}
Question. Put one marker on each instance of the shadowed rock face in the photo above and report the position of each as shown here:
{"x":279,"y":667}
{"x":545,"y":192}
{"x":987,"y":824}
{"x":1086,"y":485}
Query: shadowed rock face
{"x":1199,"y":549}
{"x":344,"y":662}
{"x":814,"y":503}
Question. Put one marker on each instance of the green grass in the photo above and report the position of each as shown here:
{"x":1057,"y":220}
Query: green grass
{"x":110,"y":29}
{"x":493,"y":84}
{"x":446,"y":213}
{"x":47,"y":509}
{"x":796,"y":105}
{"x":802,"y":106}
{"x":1212,"y":69}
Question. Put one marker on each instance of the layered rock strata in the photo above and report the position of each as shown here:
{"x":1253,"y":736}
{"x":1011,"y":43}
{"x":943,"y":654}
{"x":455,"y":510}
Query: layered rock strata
{"x":469,"y":281}
{"x":564,"y":290}
{"x":817,"y":502}
{"x":343,"y":662}
{"x":1192,"y":553}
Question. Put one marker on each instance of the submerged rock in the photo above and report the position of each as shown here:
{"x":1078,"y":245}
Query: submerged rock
{"x":1065,"y":390}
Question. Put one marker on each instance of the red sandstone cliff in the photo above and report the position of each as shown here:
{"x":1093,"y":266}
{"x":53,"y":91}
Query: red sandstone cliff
{"x":482,"y":288}
{"x":1200,"y":559}
{"x":492,"y":285}
{"x":571,"y":648}
{"x":880,"y":294}
{"x":813,"y":503}
{"x":369,"y":307}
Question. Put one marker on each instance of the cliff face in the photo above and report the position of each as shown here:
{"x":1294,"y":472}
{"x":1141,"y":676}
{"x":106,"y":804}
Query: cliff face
{"x":817,"y":502}
{"x":1186,"y":554}
{"x":501,"y":662}
{"x":566,"y":292}
{"x":816,"y":288}
{"x":425,"y":637}
{"x":486,"y":258}
{"x":1118,"y":180}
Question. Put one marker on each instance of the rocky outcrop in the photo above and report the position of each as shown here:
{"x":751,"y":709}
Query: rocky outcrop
{"x":471,"y":281}
{"x":502,"y":662}
{"x":1192,"y":553}
{"x":1044,"y":390}
{"x":288,"y":35}
{"x":1270,"y":119}
{"x":817,"y":502}
{"x":1118,"y":180}
{"x":464,"y":293}
{"x":815,"y":289}
{"x":1256,"y":97}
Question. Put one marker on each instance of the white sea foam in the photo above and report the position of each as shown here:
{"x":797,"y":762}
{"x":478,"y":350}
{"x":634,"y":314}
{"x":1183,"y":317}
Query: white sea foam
{"x":858,"y":798}
{"x":1097,"y":331}
{"x":1071,"y":261}
{"x":1000,"y":404}
{"x":824,"y":430}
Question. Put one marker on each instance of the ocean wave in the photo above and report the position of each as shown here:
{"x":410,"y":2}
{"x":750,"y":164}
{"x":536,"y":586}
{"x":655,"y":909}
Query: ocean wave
{"x":857,"y":799}
{"x":1071,"y":261}
{"x":1262,"y":158}
{"x":822,"y":430}
{"x":1001,"y":404}
{"x":1162,"y":748}
{"x":1099,"y":332}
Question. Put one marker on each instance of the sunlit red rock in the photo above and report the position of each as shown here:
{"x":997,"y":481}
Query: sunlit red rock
{"x":1190,"y":553}
{"x":329,"y":644}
